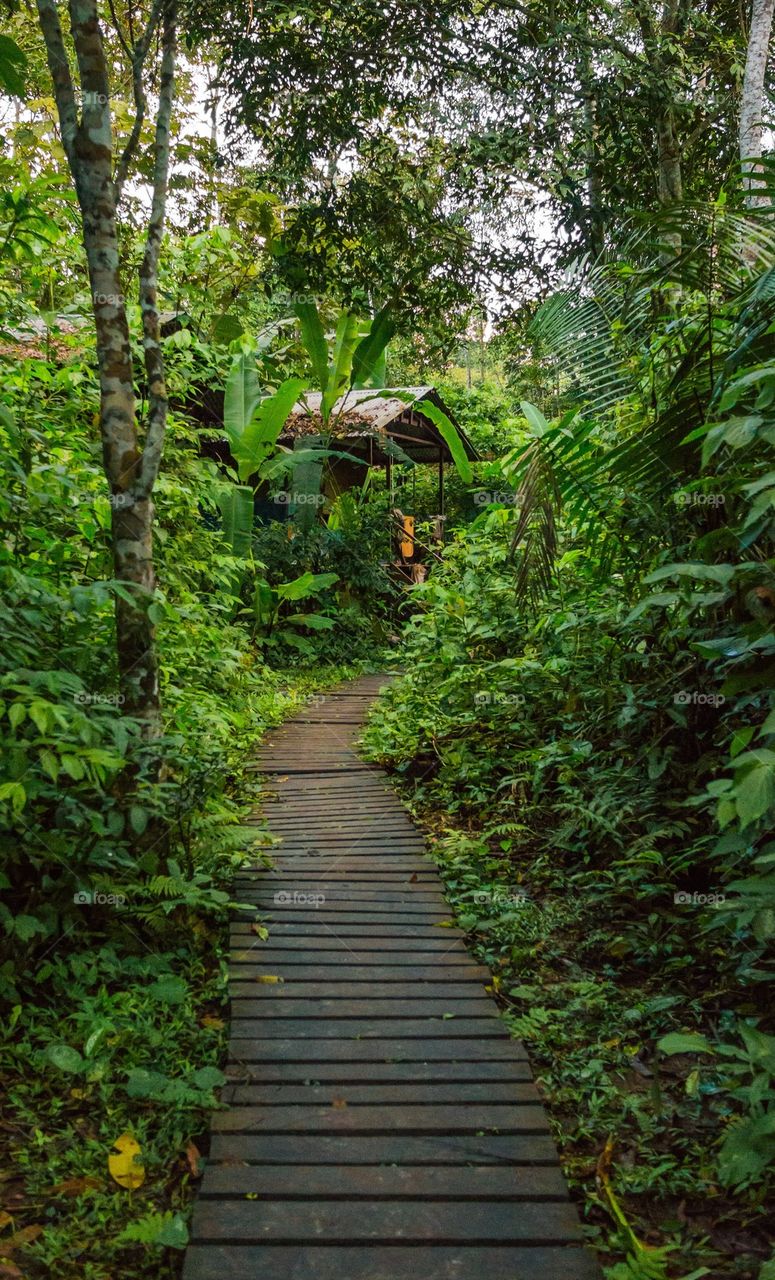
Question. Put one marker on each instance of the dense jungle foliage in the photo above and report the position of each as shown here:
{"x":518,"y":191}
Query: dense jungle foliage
{"x":551,"y":229}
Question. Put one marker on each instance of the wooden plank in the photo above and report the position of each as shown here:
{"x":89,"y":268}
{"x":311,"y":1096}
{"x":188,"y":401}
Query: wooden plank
{"x":361,"y":930}
{"x":347,"y":1221}
{"x":328,"y":961}
{"x":291,"y":1005}
{"x":284,"y":894}
{"x":399,"y":1262}
{"x":436,"y":949}
{"x":485,"y":1182}
{"x":416,"y":1119}
{"x":373,"y":972}
{"x":374,"y":1074}
{"x":386,"y":1048}
{"x":396,"y":1148}
{"x":353,"y":1029}
{"x":409,"y":1093}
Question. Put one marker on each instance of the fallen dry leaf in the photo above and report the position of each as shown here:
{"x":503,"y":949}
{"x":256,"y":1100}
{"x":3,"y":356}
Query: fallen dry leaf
{"x":269,"y":977}
{"x":76,"y":1186}
{"x":123,"y":1164}
{"x":20,"y":1239}
{"x":209,"y":1020}
{"x":193,"y":1157}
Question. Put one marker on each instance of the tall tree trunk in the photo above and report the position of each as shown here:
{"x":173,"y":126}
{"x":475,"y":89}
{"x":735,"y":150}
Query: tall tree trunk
{"x":669,"y":174}
{"x":752,"y":101}
{"x":131,"y":471}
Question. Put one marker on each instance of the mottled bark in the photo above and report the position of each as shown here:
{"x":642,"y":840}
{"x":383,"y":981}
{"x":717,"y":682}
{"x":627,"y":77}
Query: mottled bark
{"x":752,"y":99}
{"x":130,"y":471}
{"x":669,"y":173}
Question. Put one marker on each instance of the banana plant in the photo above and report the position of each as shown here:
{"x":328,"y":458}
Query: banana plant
{"x":357,"y":356}
{"x":270,"y":604}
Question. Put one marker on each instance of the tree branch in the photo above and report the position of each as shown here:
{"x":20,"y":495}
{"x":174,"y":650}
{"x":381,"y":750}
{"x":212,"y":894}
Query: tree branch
{"x":138,"y":53}
{"x":64,"y":92}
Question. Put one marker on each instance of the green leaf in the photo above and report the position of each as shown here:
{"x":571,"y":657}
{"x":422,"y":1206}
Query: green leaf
{"x":235,"y":502}
{"x":241,"y":395}
{"x":684,"y":1042}
{"x":449,"y":433}
{"x":142,"y":1083}
{"x":169,"y":990}
{"x":317,"y":621}
{"x":535,"y":418}
{"x":138,"y":818}
{"x":314,"y":339}
{"x":307,"y":584}
{"x":754,"y":793}
{"x":26,"y":927}
{"x":721,"y":573}
{"x":208,"y":1078}
{"x":368,"y":368}
{"x":342,"y":363}
{"x":13,"y":62}
{"x":65,"y":1058}
{"x":16,"y":794}
{"x":261,"y":433}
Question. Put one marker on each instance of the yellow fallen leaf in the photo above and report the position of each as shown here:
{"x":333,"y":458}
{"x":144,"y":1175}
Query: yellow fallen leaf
{"x":268,"y":977}
{"x":124,"y":1167}
{"x":209,"y":1020}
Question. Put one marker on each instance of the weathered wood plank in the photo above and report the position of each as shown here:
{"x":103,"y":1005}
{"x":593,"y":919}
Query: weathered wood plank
{"x":398,"y":1148}
{"x":374,"y":972}
{"x":374,"y":1074}
{"x":400,"y":1262}
{"x":410,"y":1093}
{"x":422,"y":1118}
{"x":245,"y":1047}
{"x":309,"y":1005}
{"x":352,"y":1029}
{"x":469,"y":1182}
{"x":346,"y":1222}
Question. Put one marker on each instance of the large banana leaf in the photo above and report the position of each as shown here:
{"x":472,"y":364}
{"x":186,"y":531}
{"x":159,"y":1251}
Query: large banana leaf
{"x":236,"y":507}
{"x":242,"y":394}
{"x":260,"y":435}
{"x":451,"y":436}
{"x":340,"y":372}
{"x":306,"y":585}
{"x":307,"y":477}
{"x":314,"y":339}
{"x":369,"y":358}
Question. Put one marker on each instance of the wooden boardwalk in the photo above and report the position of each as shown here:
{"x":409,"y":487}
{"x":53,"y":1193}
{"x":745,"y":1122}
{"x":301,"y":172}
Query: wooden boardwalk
{"x":381,"y":1123}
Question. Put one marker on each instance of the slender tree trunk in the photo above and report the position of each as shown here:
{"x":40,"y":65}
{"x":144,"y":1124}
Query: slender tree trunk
{"x":752,"y":101}
{"x":669,"y":175}
{"x":131,"y":471}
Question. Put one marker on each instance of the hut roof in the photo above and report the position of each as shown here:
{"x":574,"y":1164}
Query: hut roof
{"x":365,"y":420}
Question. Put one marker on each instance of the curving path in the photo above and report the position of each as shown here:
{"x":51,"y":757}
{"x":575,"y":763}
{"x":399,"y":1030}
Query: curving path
{"x":381,"y":1123}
